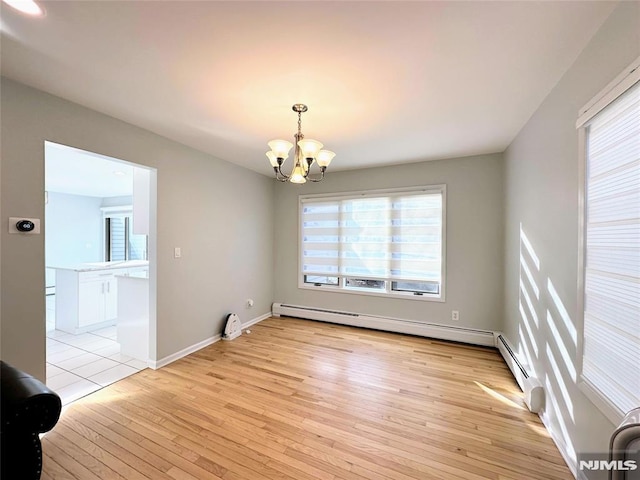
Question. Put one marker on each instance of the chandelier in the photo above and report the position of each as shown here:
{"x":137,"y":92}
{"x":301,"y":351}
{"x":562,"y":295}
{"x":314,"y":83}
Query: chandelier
{"x":306,"y":152}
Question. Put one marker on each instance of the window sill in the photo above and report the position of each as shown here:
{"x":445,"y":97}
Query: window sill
{"x":600,"y":402}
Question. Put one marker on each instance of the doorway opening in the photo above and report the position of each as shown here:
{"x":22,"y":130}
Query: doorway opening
{"x":100,"y":217}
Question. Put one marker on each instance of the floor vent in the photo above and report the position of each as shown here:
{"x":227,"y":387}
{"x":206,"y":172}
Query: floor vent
{"x":530,"y":385}
{"x":410,"y":327}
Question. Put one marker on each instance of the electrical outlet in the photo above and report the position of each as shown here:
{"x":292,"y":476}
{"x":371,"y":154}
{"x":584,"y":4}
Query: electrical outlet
{"x":177,"y":252}
{"x":455,"y":315}
{"x":249,"y":303}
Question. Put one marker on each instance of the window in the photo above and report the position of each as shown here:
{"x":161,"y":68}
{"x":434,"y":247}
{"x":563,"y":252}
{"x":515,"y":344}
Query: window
{"x":119,"y":240}
{"x":375,"y":242}
{"x":611,"y":249}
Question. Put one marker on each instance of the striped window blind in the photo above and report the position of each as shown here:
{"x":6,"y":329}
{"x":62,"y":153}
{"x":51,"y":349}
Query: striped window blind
{"x":393,"y":236}
{"x":117,"y":232}
{"x":611,"y":350}
{"x":120,"y":241}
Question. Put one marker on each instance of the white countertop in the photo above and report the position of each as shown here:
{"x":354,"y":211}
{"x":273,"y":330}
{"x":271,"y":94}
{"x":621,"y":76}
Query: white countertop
{"x":89,"y":267}
{"x":135,"y":275}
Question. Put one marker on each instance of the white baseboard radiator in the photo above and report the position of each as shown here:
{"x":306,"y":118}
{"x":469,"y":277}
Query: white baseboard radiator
{"x":530,"y":385}
{"x":431,"y":330}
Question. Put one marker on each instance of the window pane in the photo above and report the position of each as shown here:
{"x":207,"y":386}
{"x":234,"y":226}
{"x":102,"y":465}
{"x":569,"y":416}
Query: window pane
{"x":320,"y":236}
{"x":116,"y":232}
{"x":138,"y":247}
{"x":363,"y":283}
{"x":322,"y":280}
{"x":422,"y":287}
{"x":365,"y":235}
{"x":416,"y":246}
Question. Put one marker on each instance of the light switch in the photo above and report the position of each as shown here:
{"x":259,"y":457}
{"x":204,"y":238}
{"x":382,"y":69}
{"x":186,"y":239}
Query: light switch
{"x":177,"y":252}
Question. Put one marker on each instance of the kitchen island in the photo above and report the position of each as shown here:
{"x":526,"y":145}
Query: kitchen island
{"x":87,"y":294}
{"x":133,"y":315}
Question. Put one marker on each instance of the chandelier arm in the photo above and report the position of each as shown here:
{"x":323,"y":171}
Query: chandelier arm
{"x":279,"y":175}
{"x":316,"y":180}
{"x":308,"y":161}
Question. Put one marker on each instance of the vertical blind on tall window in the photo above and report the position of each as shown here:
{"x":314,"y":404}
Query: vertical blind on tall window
{"x":611,"y":354}
{"x":393,"y":236}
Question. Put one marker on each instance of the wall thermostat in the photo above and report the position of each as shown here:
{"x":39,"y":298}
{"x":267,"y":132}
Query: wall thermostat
{"x":24,"y":225}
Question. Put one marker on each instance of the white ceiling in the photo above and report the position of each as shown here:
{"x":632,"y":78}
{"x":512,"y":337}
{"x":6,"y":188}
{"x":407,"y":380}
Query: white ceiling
{"x":386,"y":82}
{"x":76,"y":172}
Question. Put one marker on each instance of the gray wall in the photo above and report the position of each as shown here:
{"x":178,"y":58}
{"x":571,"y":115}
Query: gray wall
{"x":474,"y":241}
{"x":541,"y":193}
{"x":218,"y":213}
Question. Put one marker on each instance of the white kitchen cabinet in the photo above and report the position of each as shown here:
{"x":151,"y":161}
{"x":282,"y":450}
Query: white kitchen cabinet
{"x":133,"y":316}
{"x":111,"y":298}
{"x":97,"y":298}
{"x":87,"y":300}
{"x":90,"y":304}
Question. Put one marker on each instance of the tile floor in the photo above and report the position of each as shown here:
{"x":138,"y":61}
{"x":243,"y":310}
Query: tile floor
{"x":78,"y":365}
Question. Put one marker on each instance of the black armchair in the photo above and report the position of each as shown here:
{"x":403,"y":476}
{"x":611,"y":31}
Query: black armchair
{"x":28,"y":409}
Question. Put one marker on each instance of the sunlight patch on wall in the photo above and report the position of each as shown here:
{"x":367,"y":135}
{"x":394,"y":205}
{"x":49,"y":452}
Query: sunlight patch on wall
{"x":556,"y":416}
{"x":527,"y":285}
{"x":527,"y":299}
{"x":529,"y":248}
{"x":562,"y":311}
{"x":523,"y":350}
{"x":531,"y":338}
{"x":562,"y":348}
{"x":558,"y":380}
{"x":527,"y":272}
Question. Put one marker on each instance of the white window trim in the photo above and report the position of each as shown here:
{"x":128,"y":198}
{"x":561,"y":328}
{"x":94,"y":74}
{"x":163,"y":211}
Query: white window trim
{"x":121,"y":211}
{"x":625,"y":80}
{"x":441,"y":297}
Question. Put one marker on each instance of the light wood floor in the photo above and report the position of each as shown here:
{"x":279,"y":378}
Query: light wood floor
{"x":305,"y":400}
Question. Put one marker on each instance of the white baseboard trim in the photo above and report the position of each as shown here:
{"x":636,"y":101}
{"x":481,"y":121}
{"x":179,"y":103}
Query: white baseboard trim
{"x":252,"y":322}
{"x":559,"y":443}
{"x":156,"y":364}
{"x":184,"y":352}
{"x":432,"y":330}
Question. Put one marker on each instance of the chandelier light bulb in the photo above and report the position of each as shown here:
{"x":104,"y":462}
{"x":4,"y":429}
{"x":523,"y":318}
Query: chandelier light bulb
{"x":324,"y":157}
{"x":272,"y":158}
{"x":297,"y":176}
{"x":310,"y":148}
{"x":280,"y":148}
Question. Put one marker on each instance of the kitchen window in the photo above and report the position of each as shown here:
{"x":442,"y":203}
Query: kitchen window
{"x":120,"y":243}
{"x":380,"y":242}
